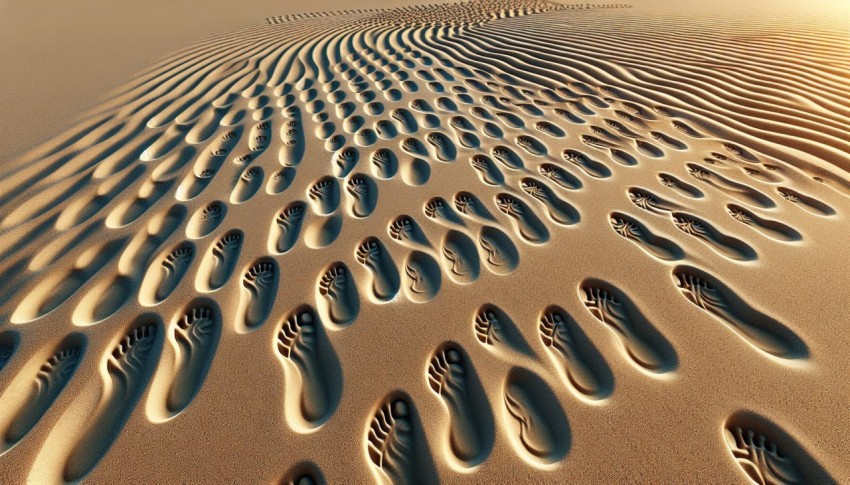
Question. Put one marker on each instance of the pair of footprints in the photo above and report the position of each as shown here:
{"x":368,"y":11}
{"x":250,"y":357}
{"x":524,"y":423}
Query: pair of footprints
{"x":325,"y":197}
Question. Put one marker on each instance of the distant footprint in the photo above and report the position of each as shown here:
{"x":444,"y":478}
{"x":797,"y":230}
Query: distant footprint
{"x":372,"y":254}
{"x":558,"y":332}
{"x":220,"y":261}
{"x":471,"y":206}
{"x":128,"y":369}
{"x":560,"y":176}
{"x":559,"y":210}
{"x":195,"y":335}
{"x":286,"y":227}
{"x":651,"y":202}
{"x":507,"y":157}
{"x":636,"y":232}
{"x":527,"y":225}
{"x":683,"y":188}
{"x":444,"y":148}
{"x":759,"y":330}
{"x":421,"y":277}
{"x":395,"y":443}
{"x":488,"y":172}
{"x":49,"y":382}
{"x":743,"y":192}
{"x":809,"y":204}
{"x":248,"y":185}
{"x":534,"y":419}
{"x":723,"y":244}
{"x":769,"y":228}
{"x":460,"y":258}
{"x":644,"y":345}
{"x":338,"y":295}
{"x":302,"y":343}
{"x":259,"y":290}
{"x":767,"y":454}
{"x":470,"y":430}
{"x":586,"y":164}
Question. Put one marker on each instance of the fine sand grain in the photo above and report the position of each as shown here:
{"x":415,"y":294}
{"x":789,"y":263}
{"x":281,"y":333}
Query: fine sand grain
{"x":498,"y":241}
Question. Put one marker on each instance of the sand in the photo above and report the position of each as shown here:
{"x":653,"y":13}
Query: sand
{"x":485,"y":242}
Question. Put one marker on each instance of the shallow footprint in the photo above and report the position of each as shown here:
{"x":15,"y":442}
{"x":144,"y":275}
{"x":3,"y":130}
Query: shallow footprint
{"x":502,"y":256}
{"x":363,"y":193}
{"x":286,"y":227}
{"x":636,"y":232}
{"x":526,"y":223}
{"x":769,"y":228}
{"x":259,"y":289}
{"x":453,"y":379}
{"x":460,"y":258}
{"x":220,"y":261}
{"x":535,"y":422}
{"x":313,"y":374}
{"x":767,"y":454}
{"x":759,"y":330}
{"x":372,"y":254}
{"x":338,"y":298}
{"x":128,"y":370}
{"x":422,"y":277}
{"x":578,"y":361}
{"x":559,"y":210}
{"x":161,"y":281}
{"x":723,"y":244}
{"x":641,"y":342}
{"x":396,"y":445}
{"x":194,"y":335}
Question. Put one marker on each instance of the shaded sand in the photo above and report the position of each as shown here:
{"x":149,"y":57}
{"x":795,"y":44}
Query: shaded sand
{"x":486,"y":242}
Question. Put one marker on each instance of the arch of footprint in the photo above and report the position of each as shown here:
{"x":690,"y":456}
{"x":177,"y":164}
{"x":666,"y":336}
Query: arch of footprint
{"x":437,"y":240}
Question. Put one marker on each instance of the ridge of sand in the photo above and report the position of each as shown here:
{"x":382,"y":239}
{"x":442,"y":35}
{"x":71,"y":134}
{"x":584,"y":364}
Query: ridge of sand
{"x":489,"y":242}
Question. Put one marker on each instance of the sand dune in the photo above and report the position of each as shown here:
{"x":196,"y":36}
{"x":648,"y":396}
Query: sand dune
{"x":499,"y":241}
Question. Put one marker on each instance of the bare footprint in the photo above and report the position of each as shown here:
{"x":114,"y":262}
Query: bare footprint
{"x":637,"y":232}
{"x":128,"y":370}
{"x":644,"y":345}
{"x":338,"y":300}
{"x":470,"y":429}
{"x":286,"y":227}
{"x":259,"y":289}
{"x":314,"y":389}
{"x":372,"y":254}
{"x":395,"y":443}
{"x":577,"y":360}
{"x":195,"y":335}
{"x":527,"y":225}
{"x":759,"y":330}
{"x":534,"y":419}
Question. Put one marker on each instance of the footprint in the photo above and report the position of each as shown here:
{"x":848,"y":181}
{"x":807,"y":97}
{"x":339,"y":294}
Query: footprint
{"x":471,"y":206}
{"x":526,"y":224}
{"x":421,"y":277}
{"x":767,"y":454}
{"x":809,"y":204}
{"x":259,"y":290}
{"x":742,"y":192}
{"x":249,"y":183}
{"x":724,"y":245}
{"x":163,"y":278}
{"x":49,"y":382}
{"x":127,"y":372}
{"x":497,"y":332}
{"x":579,"y":363}
{"x":313,"y":373}
{"x":205,"y":220}
{"x":640,"y":341}
{"x":413,"y":146}
{"x":286,"y":227}
{"x":384,"y":164}
{"x":560,"y":176}
{"x":438,"y":209}
{"x":344,"y":161}
{"x":621,"y":157}
{"x":460,"y":258}
{"x":324,"y":195}
{"x":683,"y":188}
{"x":415,"y":172}
{"x":487,"y":170}
{"x":769,"y":228}
{"x":650,"y":202}
{"x":668,"y":140}
{"x":385,"y":278}
{"x":470,"y":430}
{"x":559,"y":210}
{"x":396,"y":444}
{"x":507,"y":157}
{"x":534,"y":420}
{"x":363,"y":193}
{"x":337,"y":295}
{"x":406,"y":231}
{"x":549,"y":129}
{"x":502,"y":256}
{"x":756,"y":328}
{"x":405,"y":120}
{"x":220,"y":261}
{"x":586,"y":164}
{"x":322,"y":232}
{"x":636,"y":232}
{"x":194,"y":335}
{"x":444,"y":148}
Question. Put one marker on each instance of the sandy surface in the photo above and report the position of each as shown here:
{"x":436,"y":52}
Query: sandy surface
{"x":491,"y":242}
